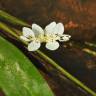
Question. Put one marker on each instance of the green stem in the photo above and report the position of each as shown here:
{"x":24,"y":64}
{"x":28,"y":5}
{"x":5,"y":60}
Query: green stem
{"x":91,"y":52}
{"x":12,"y":19}
{"x":68,"y":75}
{"x":10,"y":31}
{"x":90,"y":44}
{"x":53,"y":63}
{"x":5,"y":28}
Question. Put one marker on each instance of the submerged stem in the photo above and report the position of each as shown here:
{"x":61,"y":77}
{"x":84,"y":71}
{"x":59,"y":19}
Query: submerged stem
{"x":42,"y":55}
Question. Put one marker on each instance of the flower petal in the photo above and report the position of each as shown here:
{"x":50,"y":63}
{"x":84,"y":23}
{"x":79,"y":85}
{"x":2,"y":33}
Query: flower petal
{"x":58,"y":29}
{"x":28,"y":32}
{"x":24,"y":38}
{"x":49,"y":28}
{"x":33,"y":46}
{"x":64,"y":37}
{"x":52,"y":45}
{"x":37,"y":30}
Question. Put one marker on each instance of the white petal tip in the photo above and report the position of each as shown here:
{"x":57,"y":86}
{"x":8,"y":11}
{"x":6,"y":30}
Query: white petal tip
{"x":52,"y":45}
{"x":37,"y":29}
{"x":24,"y":38}
{"x":33,"y":46}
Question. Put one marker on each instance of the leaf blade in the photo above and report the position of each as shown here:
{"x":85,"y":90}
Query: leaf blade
{"x":18,"y":77}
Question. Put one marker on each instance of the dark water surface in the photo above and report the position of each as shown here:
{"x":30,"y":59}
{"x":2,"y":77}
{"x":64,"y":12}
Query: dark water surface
{"x":82,"y":15}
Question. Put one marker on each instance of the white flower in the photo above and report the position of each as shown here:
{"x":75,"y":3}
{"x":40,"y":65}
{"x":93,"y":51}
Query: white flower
{"x":55,"y":32}
{"x":50,"y":35}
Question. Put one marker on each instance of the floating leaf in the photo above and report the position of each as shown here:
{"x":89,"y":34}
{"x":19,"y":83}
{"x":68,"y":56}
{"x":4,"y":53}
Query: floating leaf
{"x":18,"y":76}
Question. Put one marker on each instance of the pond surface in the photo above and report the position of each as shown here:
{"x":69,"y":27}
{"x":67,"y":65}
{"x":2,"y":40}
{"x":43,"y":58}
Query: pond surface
{"x":79,"y":19}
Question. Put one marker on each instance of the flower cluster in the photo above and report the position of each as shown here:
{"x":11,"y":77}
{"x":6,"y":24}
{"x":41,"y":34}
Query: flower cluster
{"x":50,"y":35}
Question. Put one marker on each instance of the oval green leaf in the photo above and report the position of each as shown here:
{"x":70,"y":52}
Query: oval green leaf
{"x":18,"y":76}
